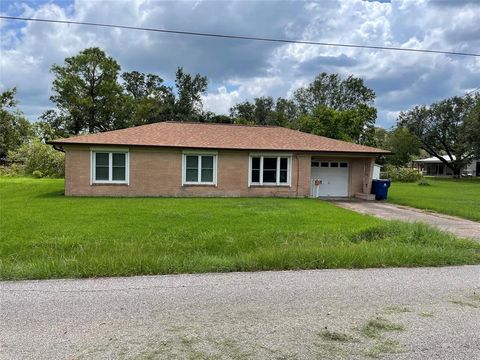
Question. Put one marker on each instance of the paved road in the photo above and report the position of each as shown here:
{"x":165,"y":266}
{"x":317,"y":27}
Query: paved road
{"x":425,"y":313}
{"x":458,"y":226}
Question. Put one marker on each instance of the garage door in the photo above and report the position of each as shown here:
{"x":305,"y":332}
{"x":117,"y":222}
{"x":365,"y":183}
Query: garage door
{"x":329,"y":178}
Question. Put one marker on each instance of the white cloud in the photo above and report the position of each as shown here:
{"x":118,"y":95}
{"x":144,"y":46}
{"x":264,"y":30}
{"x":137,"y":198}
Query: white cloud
{"x":241,"y":70}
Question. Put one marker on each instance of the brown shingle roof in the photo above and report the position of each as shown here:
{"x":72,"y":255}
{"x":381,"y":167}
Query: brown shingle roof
{"x":219,"y":136}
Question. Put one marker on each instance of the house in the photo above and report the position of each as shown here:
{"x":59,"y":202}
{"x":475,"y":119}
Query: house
{"x":435,"y":167}
{"x":198,"y":159}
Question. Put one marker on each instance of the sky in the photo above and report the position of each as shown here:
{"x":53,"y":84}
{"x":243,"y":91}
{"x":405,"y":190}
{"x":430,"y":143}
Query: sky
{"x":240,"y":70}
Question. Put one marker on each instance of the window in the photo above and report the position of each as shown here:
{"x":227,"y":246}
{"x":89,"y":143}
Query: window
{"x":324,"y":164}
{"x":199,"y":169}
{"x":334,"y":164}
{"x":343,"y":165}
{"x":109,"y":167}
{"x":270,"y":170}
{"x":315,"y":164}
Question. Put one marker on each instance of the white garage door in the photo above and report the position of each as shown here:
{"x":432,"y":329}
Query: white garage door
{"x":329,"y":178}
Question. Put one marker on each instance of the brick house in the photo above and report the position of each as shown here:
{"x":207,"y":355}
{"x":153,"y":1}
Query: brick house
{"x":198,"y":159}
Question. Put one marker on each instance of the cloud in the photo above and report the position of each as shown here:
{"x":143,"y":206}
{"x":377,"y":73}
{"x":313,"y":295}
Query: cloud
{"x":239,"y":70}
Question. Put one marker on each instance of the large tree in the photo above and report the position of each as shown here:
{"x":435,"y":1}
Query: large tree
{"x":347,"y":125}
{"x":403,"y":145}
{"x":149,"y":100}
{"x":351,"y":101}
{"x":188,"y":102}
{"x":15,"y":129}
{"x":472,"y":125}
{"x":87,"y":93}
{"x":443,"y":128}
{"x":265,"y":111}
{"x":333,"y":91}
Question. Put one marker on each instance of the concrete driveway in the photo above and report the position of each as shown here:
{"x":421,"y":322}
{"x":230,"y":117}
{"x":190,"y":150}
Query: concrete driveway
{"x":458,"y":226}
{"x":422,"y":313}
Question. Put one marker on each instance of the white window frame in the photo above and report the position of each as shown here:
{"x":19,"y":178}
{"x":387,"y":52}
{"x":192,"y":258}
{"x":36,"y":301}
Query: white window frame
{"x":110,"y":152}
{"x":199,"y":154}
{"x":277,"y":182}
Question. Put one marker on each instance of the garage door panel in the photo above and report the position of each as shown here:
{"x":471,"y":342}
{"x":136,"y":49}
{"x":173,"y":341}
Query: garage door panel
{"x":334,"y":180}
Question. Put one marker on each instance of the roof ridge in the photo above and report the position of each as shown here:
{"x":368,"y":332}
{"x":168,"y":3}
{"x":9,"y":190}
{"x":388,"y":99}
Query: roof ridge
{"x":221,"y":124}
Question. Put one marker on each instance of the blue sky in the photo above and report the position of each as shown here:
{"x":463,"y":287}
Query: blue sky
{"x":242,"y":70}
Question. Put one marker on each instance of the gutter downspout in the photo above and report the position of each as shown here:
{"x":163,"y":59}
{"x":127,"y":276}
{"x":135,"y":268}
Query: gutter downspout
{"x":58,"y":148}
{"x":298,"y":173}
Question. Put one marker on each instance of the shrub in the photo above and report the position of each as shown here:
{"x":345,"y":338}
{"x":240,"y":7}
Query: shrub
{"x":39,"y":159}
{"x":401,"y":174}
{"x":37,"y":174}
{"x":13,"y":169}
{"x":423,"y":182}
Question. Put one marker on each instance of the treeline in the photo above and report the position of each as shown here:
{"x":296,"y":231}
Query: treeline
{"x":91,"y":94}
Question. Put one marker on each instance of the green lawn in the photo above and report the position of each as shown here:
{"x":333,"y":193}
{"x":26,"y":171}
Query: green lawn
{"x":447,"y":196}
{"x":46,"y":235}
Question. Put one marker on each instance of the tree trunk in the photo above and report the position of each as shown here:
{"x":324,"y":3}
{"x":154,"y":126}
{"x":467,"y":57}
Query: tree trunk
{"x":456,"y":172}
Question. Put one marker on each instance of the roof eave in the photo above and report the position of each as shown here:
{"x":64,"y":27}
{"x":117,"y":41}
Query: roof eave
{"x":344,"y":152}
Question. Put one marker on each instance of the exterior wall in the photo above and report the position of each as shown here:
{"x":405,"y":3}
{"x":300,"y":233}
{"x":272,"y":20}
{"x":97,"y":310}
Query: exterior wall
{"x":361,"y":173}
{"x":158,"y":172}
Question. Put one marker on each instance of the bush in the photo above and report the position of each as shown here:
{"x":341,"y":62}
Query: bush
{"x":13,"y":169}
{"x":401,"y":174}
{"x":39,"y":159}
{"x":37,"y":174}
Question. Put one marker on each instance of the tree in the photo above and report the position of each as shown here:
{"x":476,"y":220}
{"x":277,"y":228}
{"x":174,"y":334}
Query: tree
{"x":403,"y":145}
{"x":332,"y":91}
{"x":443,"y":129}
{"x":265,"y":111}
{"x":15,"y":130}
{"x":147,"y":99}
{"x":188,"y":104}
{"x":352,"y":101}
{"x":347,"y":125}
{"x":472,"y":124}
{"x":380,"y":137}
{"x":87,"y":93}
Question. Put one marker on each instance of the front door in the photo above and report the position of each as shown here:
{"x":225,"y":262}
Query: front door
{"x":329,"y":178}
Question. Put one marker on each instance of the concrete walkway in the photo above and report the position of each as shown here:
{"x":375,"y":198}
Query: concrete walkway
{"x":417,"y":313}
{"x":458,"y":226}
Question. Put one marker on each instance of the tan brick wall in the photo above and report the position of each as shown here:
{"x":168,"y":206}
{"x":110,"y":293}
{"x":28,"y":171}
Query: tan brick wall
{"x":361,"y":172}
{"x":158,"y":172}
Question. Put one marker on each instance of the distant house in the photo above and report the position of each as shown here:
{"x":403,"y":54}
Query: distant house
{"x":198,"y":159}
{"x":435,"y":167}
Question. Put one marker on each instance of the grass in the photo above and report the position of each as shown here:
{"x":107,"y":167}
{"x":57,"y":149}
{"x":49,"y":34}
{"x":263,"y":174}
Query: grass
{"x":447,"y":196}
{"x":335,"y":336}
{"x":44,"y":234}
{"x":375,"y":327}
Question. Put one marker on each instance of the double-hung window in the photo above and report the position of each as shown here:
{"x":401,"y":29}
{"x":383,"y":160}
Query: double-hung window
{"x":270,"y":170}
{"x":199,"y":169}
{"x":109,"y":167}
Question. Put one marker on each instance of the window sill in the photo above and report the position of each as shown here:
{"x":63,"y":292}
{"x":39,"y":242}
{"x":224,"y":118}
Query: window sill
{"x":270,"y":185}
{"x":109,"y":184}
{"x":200,"y":184}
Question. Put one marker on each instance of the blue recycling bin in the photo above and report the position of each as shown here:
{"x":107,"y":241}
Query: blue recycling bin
{"x":380,"y":189}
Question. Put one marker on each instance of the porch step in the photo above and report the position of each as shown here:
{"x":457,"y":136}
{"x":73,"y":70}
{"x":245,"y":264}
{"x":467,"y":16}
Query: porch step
{"x":363,"y":196}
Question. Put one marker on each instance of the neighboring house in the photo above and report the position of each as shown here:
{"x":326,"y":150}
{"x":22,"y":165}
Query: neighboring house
{"x":435,"y":167}
{"x":198,"y":159}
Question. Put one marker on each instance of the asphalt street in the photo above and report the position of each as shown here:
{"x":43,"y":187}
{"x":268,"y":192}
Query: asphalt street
{"x":400,"y":313}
